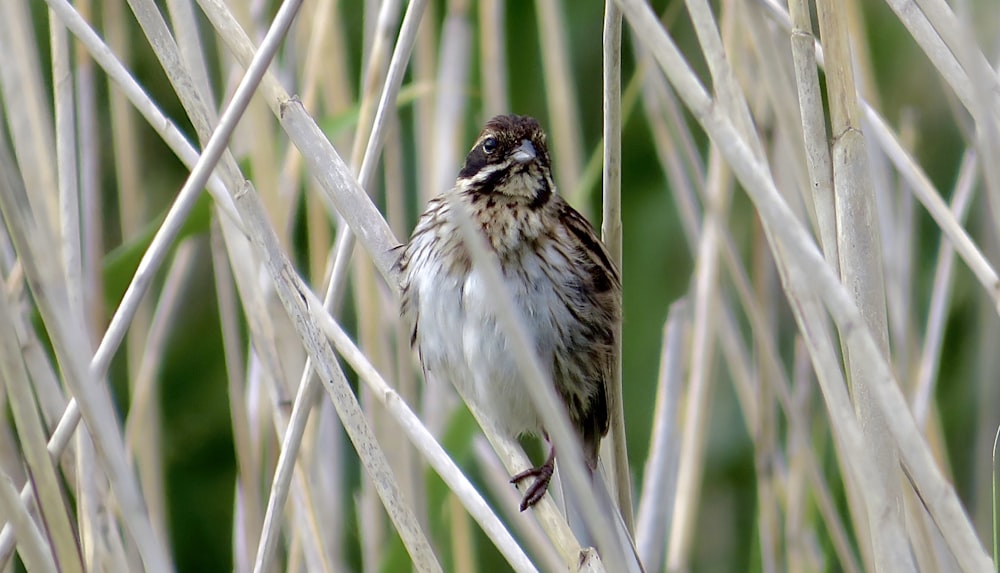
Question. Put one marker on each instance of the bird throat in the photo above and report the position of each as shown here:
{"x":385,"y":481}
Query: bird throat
{"x":509,"y":222}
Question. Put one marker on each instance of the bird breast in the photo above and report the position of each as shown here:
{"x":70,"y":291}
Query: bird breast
{"x":461,"y":341}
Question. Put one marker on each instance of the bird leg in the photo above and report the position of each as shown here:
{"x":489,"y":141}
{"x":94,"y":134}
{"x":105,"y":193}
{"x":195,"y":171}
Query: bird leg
{"x":542,"y":475}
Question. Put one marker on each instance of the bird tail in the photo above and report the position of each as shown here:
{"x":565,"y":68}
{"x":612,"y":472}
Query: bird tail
{"x":624,"y":550}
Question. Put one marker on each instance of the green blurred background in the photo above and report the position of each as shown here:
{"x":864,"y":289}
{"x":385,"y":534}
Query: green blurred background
{"x":197,"y":443}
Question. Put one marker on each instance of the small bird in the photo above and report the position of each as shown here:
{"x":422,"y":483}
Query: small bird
{"x":559,"y":273}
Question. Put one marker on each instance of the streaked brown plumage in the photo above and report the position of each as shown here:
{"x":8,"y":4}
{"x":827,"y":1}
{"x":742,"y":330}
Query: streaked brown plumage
{"x":559,"y":273}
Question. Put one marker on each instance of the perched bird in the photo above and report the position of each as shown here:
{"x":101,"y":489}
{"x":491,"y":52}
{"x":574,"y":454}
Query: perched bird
{"x":559,"y":273}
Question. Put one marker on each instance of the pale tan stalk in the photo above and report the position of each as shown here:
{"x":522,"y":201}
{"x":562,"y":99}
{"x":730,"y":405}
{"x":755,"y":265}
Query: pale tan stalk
{"x":69,"y":213}
{"x":167,"y":130}
{"x":656,"y":96}
{"x":128,"y":307}
{"x":864,"y":64}
{"x":168,"y":54}
{"x":319,"y":36}
{"x":920,"y":184}
{"x":814,"y":133}
{"x":31,"y":128}
{"x":657,"y":100}
{"x":773,"y":91}
{"x":697,"y":402}
{"x":859,"y":247}
{"x":937,"y":51}
{"x":767,"y":466}
{"x":794,"y":409}
{"x":400,"y":514}
{"x":400,"y":354}
{"x":659,"y":478}
{"x":452,"y":96}
{"x":376,"y":70}
{"x":493,"y":63}
{"x":379,"y":44}
{"x":192,"y":51}
{"x":611,"y":234}
{"x":425,"y":71}
{"x":726,"y":90}
{"x":423,"y":440}
{"x":50,"y":394}
{"x":507,"y":499}
{"x":739,"y":366}
{"x":87,"y":503}
{"x":291,"y":436}
{"x":809,"y":266}
{"x":202,"y":116}
{"x":91,"y":197}
{"x":797,"y":528}
{"x":35,"y":552}
{"x":34,"y":241}
{"x":132,"y":195}
{"x":269,"y":379}
{"x":153,"y":257}
{"x":52,"y":508}
{"x":345,"y":244}
{"x":66,"y":162}
{"x":462,"y":548}
{"x":102,"y":546}
{"x":41,"y":377}
{"x":959,"y":36}
{"x":897,"y":219}
{"x":718,"y":191}
{"x":820,"y":168}
{"x":292,"y":295}
{"x":246,"y":533}
{"x":323,"y":62}
{"x":740,"y":27}
{"x":336,"y":86}
{"x":51,"y":401}
{"x":561,"y":101}
{"x":255,"y":141}
{"x":142,"y":423}
{"x":926,"y":375}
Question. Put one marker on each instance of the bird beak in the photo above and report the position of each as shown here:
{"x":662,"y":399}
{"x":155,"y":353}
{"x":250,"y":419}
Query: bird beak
{"x":524,"y":153}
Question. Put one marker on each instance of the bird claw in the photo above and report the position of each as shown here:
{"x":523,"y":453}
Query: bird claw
{"x":542,"y":475}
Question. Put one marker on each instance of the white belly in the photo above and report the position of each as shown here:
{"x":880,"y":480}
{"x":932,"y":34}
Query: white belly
{"x":461,"y":342}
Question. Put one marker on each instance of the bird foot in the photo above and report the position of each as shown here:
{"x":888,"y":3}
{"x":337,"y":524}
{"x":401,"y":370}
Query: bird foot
{"x":542,"y":475}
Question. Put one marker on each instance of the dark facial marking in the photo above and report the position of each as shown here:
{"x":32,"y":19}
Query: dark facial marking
{"x":489,"y":185}
{"x":474,"y":161}
{"x":543,"y":195}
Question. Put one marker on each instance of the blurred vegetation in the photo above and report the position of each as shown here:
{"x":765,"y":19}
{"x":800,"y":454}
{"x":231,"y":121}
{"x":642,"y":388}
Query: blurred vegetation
{"x":198,"y":452}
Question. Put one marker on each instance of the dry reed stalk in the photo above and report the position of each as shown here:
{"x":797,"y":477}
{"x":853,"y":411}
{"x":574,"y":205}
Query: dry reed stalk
{"x":795,"y":484}
{"x":611,"y":234}
{"x":859,"y":248}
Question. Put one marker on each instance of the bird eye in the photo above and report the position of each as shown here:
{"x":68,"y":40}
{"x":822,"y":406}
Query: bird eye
{"x":489,"y":145}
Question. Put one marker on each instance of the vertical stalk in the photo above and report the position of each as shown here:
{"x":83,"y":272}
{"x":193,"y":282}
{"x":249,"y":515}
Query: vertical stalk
{"x":564,"y":116}
{"x":697,"y":404}
{"x":493,"y":63}
{"x":861,"y":271}
{"x":611,"y":232}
